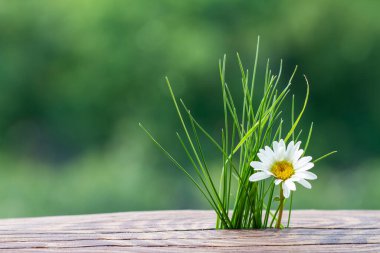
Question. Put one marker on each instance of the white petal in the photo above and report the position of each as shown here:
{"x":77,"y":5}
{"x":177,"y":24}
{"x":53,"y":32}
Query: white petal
{"x":269,"y":152}
{"x":286,"y":191}
{"x":303,"y":161}
{"x":275,"y":147}
{"x":259,"y":176}
{"x":294,"y":178}
{"x":264,"y":158}
{"x":258,"y":165}
{"x":290,"y":185}
{"x":277,"y":181}
{"x":268,"y":172}
{"x":306,"y":167}
{"x":282,"y":144}
{"x":306,"y":175}
{"x":297,"y":145}
{"x":291,"y":145}
{"x":280,"y":155}
{"x":297,"y":155}
{"x":290,"y":151}
{"x":304,"y":183}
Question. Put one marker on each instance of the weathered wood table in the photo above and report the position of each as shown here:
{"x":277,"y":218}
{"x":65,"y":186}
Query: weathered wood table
{"x":190,"y":231}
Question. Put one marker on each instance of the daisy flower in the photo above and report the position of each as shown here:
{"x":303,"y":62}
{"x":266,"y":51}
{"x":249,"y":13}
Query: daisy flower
{"x":285,"y":164}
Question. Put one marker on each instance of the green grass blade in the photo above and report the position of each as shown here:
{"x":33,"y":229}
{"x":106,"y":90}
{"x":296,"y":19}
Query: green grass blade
{"x":301,"y":113}
{"x":324,"y":156}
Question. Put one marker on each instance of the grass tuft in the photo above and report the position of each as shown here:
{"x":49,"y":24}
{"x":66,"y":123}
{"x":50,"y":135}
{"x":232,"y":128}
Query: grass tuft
{"x":246,"y":130}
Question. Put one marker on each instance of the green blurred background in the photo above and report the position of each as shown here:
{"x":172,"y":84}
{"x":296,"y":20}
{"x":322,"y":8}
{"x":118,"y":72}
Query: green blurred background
{"x":76,"y":77}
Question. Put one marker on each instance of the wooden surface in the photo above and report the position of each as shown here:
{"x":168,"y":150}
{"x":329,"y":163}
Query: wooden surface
{"x":190,"y":231}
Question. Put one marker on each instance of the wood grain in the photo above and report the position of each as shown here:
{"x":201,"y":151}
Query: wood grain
{"x":190,"y":231}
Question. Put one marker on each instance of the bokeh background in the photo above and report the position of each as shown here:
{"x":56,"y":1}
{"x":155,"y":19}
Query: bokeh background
{"x":77,"y":76}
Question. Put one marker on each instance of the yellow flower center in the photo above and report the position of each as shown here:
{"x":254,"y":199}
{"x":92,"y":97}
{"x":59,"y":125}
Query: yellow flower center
{"x":282,"y":170}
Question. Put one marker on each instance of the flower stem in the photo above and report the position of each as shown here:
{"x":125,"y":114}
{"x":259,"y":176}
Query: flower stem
{"x":282,"y":198}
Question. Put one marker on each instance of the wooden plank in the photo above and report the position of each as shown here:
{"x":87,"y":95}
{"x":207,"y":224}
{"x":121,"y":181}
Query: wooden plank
{"x":190,"y":231}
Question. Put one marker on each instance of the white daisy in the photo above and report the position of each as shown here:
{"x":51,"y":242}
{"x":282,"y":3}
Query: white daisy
{"x":285,"y":164}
